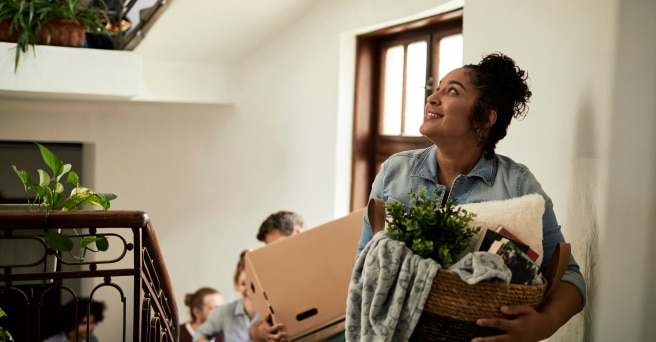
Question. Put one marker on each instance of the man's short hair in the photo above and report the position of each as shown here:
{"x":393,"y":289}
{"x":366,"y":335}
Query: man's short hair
{"x":284,"y":221}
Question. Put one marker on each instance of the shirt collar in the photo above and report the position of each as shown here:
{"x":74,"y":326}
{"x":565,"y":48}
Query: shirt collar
{"x":426,"y":166}
{"x":239,"y":308}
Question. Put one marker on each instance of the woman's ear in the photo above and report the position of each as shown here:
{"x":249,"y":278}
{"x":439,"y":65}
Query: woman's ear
{"x":197,"y":313}
{"x":491,"y":118}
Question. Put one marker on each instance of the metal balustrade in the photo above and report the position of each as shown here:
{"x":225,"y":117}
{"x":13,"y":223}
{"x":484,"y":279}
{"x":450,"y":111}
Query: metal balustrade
{"x":131,"y":277}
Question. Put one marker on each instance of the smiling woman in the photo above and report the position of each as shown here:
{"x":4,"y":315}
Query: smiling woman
{"x":464,"y":118}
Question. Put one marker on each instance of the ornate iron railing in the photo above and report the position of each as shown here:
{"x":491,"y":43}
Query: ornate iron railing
{"x":130,"y":278}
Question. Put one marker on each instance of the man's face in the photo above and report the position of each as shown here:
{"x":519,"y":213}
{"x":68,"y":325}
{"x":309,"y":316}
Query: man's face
{"x":276,"y":235}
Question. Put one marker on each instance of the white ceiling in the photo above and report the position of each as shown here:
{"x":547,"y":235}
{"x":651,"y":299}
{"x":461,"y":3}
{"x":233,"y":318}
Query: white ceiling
{"x":216,"y":31}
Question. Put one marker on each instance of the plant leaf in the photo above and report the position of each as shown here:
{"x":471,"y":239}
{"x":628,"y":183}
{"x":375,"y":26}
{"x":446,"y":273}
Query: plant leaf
{"x":66,"y":168}
{"x":58,"y":241}
{"x":24,"y":177}
{"x":101,"y":242}
{"x":97,"y":200}
{"x":51,"y":160}
{"x":44,"y":178}
{"x":73,"y":178}
{"x":55,"y":201}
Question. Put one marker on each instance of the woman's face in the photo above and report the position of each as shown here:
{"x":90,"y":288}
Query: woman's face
{"x":210,"y":302}
{"x":448,"y":109}
{"x":240,"y":286}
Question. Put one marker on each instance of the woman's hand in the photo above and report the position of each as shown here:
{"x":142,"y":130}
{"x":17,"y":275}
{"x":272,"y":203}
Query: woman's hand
{"x":522,"y":324}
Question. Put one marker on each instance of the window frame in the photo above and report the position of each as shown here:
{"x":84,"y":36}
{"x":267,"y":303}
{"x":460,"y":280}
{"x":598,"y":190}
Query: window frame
{"x":369,"y":148}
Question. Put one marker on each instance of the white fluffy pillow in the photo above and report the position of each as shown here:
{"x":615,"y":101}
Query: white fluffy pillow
{"x":522,"y":216}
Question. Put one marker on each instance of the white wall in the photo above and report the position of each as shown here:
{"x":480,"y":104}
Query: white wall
{"x":209,"y":174}
{"x":627,"y":303}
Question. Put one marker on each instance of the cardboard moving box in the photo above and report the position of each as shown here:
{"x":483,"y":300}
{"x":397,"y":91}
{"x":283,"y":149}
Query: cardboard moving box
{"x":302,"y":281}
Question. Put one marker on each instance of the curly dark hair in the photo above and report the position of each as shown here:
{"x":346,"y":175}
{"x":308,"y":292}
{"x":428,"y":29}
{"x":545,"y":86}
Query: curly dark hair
{"x":283,"y":220}
{"x":68,"y":318}
{"x":503,"y":88}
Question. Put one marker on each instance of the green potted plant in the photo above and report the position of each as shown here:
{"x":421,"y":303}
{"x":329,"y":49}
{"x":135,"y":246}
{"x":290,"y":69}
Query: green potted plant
{"x":49,"y":22}
{"x":431,"y":230}
{"x":49,"y":196}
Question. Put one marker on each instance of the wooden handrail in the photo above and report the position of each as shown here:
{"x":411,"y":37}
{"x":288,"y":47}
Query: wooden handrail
{"x":136,"y":241}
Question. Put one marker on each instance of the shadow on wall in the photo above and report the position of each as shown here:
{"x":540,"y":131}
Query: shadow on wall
{"x":582,"y":230}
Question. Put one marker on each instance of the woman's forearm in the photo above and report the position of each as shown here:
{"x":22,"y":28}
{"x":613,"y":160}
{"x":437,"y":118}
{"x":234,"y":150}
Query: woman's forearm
{"x":563,"y":303}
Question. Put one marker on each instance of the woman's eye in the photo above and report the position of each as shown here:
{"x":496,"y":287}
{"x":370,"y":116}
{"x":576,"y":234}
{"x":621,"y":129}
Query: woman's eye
{"x":452,"y":91}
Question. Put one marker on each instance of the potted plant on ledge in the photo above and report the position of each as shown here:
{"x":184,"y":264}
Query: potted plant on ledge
{"x":49,"y":22}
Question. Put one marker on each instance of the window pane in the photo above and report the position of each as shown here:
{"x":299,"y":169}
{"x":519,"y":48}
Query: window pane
{"x":415,"y":88}
{"x":450,"y":54}
{"x":393,"y":85}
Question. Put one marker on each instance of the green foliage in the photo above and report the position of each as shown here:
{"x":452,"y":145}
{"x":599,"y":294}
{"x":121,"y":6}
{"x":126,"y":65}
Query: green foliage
{"x":48,"y":196}
{"x":430,"y":230}
{"x":5,"y":336}
{"x":27,"y":18}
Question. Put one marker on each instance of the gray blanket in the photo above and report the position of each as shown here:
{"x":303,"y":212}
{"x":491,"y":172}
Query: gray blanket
{"x":387,"y":292}
{"x":476,"y":267}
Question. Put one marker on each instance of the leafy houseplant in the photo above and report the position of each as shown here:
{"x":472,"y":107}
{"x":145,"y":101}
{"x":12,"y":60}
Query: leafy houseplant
{"x":430,"y":230}
{"x":49,"y":191}
{"x":31,"y":22}
{"x":5,"y":336}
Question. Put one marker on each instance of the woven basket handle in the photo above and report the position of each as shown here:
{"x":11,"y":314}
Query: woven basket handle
{"x":557,"y":266}
{"x":376,"y":214}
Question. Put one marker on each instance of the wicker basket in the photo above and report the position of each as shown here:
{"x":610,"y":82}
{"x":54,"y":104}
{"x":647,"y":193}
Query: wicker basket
{"x":453,"y":306}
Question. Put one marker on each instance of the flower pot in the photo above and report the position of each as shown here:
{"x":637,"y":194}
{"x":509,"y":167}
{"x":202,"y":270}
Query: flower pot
{"x":62,"y":32}
{"x":57,"y":32}
{"x":4,"y":32}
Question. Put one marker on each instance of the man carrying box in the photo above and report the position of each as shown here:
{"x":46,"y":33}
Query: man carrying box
{"x":275,"y":227}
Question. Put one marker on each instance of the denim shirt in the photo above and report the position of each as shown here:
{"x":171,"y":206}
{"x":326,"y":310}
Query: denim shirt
{"x":493,"y":179}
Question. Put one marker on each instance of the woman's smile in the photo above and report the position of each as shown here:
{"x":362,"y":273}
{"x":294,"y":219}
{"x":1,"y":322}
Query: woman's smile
{"x":432,"y":116}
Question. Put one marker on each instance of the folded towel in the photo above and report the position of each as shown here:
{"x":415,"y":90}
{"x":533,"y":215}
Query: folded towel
{"x":387,"y":292}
